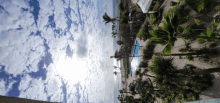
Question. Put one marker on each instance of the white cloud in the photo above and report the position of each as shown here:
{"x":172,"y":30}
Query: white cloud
{"x":54,"y":89}
{"x":3,"y":88}
{"x":19,"y":49}
{"x":13,"y":15}
{"x":32,"y":88}
{"x":59,"y":16}
{"x":16,"y":52}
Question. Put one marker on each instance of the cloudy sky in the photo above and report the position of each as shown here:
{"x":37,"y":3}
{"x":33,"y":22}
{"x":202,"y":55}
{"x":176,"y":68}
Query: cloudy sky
{"x":56,"y":50}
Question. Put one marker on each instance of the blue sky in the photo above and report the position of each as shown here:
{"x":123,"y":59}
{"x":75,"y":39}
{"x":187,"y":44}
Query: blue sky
{"x":56,"y":50}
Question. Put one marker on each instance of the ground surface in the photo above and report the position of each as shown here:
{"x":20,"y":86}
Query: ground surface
{"x":210,"y":93}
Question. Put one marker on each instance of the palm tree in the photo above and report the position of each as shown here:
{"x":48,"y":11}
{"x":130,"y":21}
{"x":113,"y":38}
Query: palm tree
{"x":122,"y":91}
{"x":119,"y":42}
{"x":190,"y":35}
{"x":204,"y":19}
{"x":169,"y":79}
{"x":115,"y":72}
{"x":120,"y":98}
{"x":186,"y":54}
{"x":164,"y":36}
{"x":115,"y":67}
{"x":143,"y":64}
{"x":113,"y":26}
{"x":108,"y":19}
{"x":118,"y":56}
{"x":197,"y":71}
{"x":114,"y":34}
{"x":138,"y":72}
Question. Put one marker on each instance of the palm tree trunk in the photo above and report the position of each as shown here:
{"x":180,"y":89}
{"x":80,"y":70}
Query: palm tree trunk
{"x":193,"y":36}
{"x":138,"y":46}
{"x":126,"y":92}
{"x":132,"y":56}
{"x":149,"y":75}
{"x":199,"y":72}
{"x":180,"y":54}
{"x":206,"y":37}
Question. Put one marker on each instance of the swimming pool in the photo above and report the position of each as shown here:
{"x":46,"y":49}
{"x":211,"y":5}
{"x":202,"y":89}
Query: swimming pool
{"x":135,"y":60}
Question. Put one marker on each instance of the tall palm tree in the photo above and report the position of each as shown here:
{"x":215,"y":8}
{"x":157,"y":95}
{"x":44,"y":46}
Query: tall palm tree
{"x":119,"y":42}
{"x":120,"y":98}
{"x":113,"y":27}
{"x":122,"y":91}
{"x":115,"y":67}
{"x":169,"y":79}
{"x":108,"y":19}
{"x":138,"y":72}
{"x":148,"y":51}
{"x":114,"y":34}
{"x":185,"y":54}
{"x":118,"y":56}
{"x":143,"y":64}
{"x":115,"y":72}
{"x":197,"y":71}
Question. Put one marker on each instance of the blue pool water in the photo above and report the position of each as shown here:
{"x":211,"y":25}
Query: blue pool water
{"x":135,"y":60}
{"x":136,"y":49}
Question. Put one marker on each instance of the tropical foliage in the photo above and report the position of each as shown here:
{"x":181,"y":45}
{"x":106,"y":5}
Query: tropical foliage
{"x":166,"y":81}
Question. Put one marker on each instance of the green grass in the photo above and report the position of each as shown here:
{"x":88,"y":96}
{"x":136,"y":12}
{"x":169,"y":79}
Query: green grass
{"x":140,"y":33}
{"x":127,"y":73}
{"x":125,"y":63}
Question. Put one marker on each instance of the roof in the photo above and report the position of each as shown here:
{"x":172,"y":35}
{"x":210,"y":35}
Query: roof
{"x":144,"y":4}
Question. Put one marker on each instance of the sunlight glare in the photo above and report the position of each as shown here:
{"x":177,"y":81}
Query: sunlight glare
{"x":71,"y":69}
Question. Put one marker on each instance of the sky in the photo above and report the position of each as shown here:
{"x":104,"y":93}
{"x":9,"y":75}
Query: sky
{"x":57,"y":50}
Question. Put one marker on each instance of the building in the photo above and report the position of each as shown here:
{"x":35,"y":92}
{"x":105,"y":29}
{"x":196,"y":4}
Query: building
{"x":5,"y":99}
{"x":150,"y":6}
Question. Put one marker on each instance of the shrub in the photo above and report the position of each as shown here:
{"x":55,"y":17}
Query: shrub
{"x":204,"y":58}
{"x":217,"y":7}
{"x":197,"y":21}
{"x":121,"y":8}
{"x":189,"y":57}
{"x":152,"y":18}
{"x":143,"y":33}
{"x":201,"y":41}
{"x":125,"y":63}
{"x":143,"y":64}
{"x":213,"y":45}
{"x":127,"y":73}
{"x":198,"y":5}
{"x":140,"y":33}
{"x":173,"y":3}
{"x":124,"y":21}
{"x":168,"y":47}
{"x":191,"y":98}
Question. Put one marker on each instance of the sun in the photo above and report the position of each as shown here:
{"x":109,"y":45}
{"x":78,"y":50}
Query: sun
{"x":71,"y":69}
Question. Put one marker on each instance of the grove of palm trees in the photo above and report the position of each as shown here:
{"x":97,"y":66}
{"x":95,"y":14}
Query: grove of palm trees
{"x":196,"y":22}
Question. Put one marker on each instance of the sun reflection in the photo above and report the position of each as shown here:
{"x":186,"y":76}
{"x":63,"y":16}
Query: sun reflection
{"x":71,"y":69}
